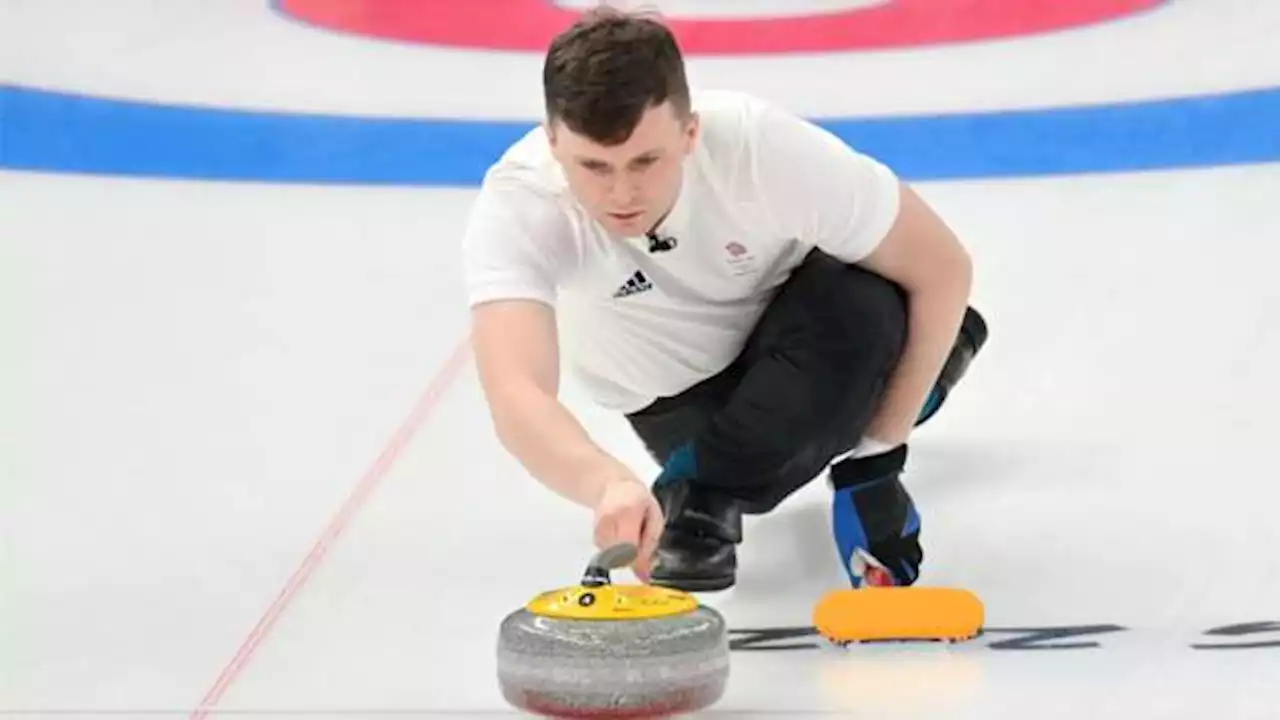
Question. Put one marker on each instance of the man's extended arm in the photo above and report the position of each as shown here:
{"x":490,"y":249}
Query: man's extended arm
{"x":517,"y":357}
{"x":518,"y":361}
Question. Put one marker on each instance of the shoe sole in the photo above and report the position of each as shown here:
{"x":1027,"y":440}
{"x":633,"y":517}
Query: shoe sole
{"x":694,"y":585}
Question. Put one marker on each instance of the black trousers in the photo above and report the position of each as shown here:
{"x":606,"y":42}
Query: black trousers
{"x":801,"y":392}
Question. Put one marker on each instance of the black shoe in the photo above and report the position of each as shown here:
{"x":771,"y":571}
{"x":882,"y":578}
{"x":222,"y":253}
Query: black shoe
{"x":973,"y":335}
{"x":697,"y":551}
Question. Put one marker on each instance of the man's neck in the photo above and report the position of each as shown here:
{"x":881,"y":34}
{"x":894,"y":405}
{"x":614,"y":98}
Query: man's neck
{"x":667,"y":213}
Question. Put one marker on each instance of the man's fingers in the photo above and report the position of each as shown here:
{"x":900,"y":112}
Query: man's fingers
{"x":621,"y":525}
{"x":604,"y":531}
{"x":651,"y":533}
{"x":627,"y":523}
{"x":636,"y":520}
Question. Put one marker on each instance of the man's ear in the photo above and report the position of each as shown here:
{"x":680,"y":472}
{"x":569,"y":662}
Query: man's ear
{"x":549,"y":127}
{"x":693,"y":127}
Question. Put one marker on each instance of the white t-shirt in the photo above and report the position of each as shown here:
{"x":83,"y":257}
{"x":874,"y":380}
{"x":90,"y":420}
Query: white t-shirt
{"x":760,"y":190}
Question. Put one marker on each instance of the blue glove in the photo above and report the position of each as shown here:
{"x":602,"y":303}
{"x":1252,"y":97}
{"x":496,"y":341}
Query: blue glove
{"x":874,"y":521}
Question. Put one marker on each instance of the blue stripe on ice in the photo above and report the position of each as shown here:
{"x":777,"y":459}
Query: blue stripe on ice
{"x":50,"y":131}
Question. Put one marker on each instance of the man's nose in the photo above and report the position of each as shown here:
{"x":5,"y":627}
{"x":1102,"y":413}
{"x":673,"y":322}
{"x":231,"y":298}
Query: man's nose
{"x":623,"y":190}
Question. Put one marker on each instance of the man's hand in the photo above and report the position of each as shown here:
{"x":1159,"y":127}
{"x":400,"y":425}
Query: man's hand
{"x":627,"y":512}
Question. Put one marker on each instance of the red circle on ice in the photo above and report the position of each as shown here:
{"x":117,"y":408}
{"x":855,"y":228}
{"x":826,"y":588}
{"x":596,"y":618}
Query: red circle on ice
{"x":529,"y":25}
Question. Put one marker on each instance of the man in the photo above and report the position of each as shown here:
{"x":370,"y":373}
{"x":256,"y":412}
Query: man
{"x":762,"y":302}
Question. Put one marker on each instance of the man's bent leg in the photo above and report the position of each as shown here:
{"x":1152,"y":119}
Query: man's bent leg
{"x":872,"y":512}
{"x":800,"y":394}
{"x":816,"y":367}
{"x":702,"y":528}
{"x":803,"y":388}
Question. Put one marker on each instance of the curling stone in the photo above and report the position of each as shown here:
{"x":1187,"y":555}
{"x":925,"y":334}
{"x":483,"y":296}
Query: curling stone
{"x":612,"y":651}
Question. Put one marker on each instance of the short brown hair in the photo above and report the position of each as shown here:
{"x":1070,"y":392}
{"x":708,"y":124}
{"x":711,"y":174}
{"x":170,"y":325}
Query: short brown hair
{"x":603,"y":72}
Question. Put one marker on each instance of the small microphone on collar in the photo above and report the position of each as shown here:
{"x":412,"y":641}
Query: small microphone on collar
{"x":660,"y":244}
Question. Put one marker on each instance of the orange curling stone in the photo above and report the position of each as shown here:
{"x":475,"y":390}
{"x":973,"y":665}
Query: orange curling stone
{"x":872,"y":614}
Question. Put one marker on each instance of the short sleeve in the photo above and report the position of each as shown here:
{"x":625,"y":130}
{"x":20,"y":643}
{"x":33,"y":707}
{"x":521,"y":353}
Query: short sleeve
{"x":515,"y":245}
{"x":819,"y":189}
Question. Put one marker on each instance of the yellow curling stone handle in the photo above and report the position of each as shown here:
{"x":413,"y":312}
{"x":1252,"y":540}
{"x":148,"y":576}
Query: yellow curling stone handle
{"x":597,"y":598}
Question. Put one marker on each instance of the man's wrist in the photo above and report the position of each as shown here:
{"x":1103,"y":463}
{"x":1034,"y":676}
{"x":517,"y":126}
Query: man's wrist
{"x":873,"y":446}
{"x":600,"y":473}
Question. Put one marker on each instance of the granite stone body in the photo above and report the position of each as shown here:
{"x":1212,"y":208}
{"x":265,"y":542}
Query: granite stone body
{"x":615,"y":667}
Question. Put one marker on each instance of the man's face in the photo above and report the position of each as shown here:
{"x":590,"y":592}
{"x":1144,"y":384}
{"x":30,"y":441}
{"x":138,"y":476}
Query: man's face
{"x":629,"y":187}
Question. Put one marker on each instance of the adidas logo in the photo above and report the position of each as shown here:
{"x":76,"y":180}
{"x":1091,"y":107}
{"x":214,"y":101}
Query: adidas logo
{"x":637,"y":283}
